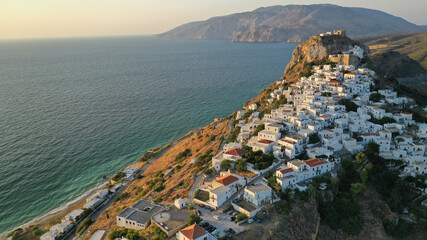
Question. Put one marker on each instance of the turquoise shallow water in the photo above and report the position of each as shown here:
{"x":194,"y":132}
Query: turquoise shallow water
{"x":74,"y":110}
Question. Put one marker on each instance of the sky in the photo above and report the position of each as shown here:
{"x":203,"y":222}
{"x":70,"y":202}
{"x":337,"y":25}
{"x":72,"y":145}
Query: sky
{"x":72,"y":18}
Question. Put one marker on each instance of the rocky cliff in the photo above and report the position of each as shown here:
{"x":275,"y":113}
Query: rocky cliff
{"x":292,"y":23}
{"x":317,"y":50}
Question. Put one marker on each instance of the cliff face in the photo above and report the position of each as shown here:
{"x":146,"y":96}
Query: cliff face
{"x":317,"y":49}
{"x":292,"y":23}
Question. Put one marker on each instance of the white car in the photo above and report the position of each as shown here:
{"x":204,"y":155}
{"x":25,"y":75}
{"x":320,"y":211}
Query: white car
{"x":250,"y":220}
{"x":216,"y":217}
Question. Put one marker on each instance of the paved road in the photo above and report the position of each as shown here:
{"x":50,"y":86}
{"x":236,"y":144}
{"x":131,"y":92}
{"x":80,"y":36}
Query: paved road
{"x":95,"y":215}
{"x":194,"y":188}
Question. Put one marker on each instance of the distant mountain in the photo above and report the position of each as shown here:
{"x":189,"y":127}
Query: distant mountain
{"x":292,"y":23}
{"x":424,"y":27}
{"x":413,"y":45}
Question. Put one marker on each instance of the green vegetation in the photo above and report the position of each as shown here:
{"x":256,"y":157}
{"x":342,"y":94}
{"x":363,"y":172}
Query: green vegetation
{"x":124,"y":232}
{"x":313,"y":138}
{"x":159,"y":232}
{"x":84,"y":225}
{"x":258,"y":158}
{"x":122,"y":196}
{"x":376,"y":97}
{"x":326,"y":94}
{"x":241,"y":217}
{"x":233,"y":135}
{"x":204,"y":158}
{"x":349,"y":105}
{"x":158,"y":199}
{"x":36,"y":231}
{"x":201,"y":195}
{"x":258,"y":129}
{"x":306,"y":73}
{"x":194,"y":219}
{"x":191,"y":206}
{"x":183,"y":155}
{"x":118,"y":176}
{"x":15,"y":234}
{"x":241,"y":165}
{"x":383,"y":120}
{"x":282,"y":100}
{"x":153,"y":152}
{"x":210,"y":140}
{"x":400,"y":229}
{"x":225,"y":165}
{"x":343,"y":212}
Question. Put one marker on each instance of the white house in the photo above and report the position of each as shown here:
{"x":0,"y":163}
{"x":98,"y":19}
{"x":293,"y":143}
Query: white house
{"x":62,"y":227}
{"x":180,"y":203}
{"x":74,"y":215}
{"x":194,"y":232}
{"x":258,"y":194}
{"x":130,"y":171}
{"x":50,"y":236}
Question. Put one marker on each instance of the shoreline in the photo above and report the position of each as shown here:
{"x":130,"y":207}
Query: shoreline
{"x":56,"y":211}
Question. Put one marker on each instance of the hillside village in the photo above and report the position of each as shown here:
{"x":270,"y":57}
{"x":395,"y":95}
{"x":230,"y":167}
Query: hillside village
{"x":333,"y":113}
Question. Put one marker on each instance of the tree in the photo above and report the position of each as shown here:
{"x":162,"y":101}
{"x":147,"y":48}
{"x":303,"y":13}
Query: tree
{"x":241,"y":217}
{"x":361,"y":158}
{"x":313,"y":138}
{"x":225,"y":165}
{"x":258,"y":129}
{"x":241,"y":165}
{"x":376,"y":97}
{"x":349,"y":105}
{"x":194,"y":219}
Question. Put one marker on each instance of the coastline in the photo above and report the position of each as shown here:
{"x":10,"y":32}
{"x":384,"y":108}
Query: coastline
{"x":56,"y":212}
{"x":77,"y":202}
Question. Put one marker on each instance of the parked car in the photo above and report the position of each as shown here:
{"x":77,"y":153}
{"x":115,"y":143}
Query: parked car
{"x":233,"y":218}
{"x":250,"y":220}
{"x":215,"y":232}
{"x":203,"y":224}
{"x":235,"y":213}
{"x":199,"y":213}
{"x":216,"y":217}
{"x":259,"y":221}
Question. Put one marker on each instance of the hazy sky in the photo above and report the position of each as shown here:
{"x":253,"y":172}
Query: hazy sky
{"x":63,"y":18}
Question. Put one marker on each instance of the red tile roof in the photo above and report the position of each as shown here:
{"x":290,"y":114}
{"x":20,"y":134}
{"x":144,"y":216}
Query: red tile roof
{"x":406,"y":113}
{"x":351,"y":73}
{"x":226,"y":179}
{"x":314,"y":162}
{"x":327,"y":129}
{"x":288,"y":141}
{"x":193,"y":232}
{"x":286,"y":170}
{"x":235,"y":151}
{"x":370,"y":134}
{"x":265,"y":141}
{"x":326,"y":116}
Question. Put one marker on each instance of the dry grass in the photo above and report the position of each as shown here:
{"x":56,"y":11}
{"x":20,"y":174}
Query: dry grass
{"x":177,"y":185}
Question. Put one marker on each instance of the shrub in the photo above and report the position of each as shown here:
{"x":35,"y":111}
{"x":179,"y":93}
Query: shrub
{"x":225,"y":165}
{"x":258,"y":129}
{"x":376,"y":97}
{"x":241,"y":165}
{"x":194,"y":219}
{"x":400,"y":229}
{"x":313,"y":138}
{"x":191,"y":206}
{"x":84,"y":225}
{"x":241,"y":217}
{"x":158,"y":199}
{"x":349,"y":105}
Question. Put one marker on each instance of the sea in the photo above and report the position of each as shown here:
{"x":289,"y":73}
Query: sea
{"x":76,"y":110}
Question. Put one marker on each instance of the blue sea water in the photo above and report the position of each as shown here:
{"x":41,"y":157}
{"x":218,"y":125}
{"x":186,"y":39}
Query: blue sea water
{"x":74,"y":110}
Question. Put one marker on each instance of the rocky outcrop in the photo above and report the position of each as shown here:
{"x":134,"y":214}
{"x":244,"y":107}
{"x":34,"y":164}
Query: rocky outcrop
{"x":292,"y":23}
{"x":317,"y":49}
